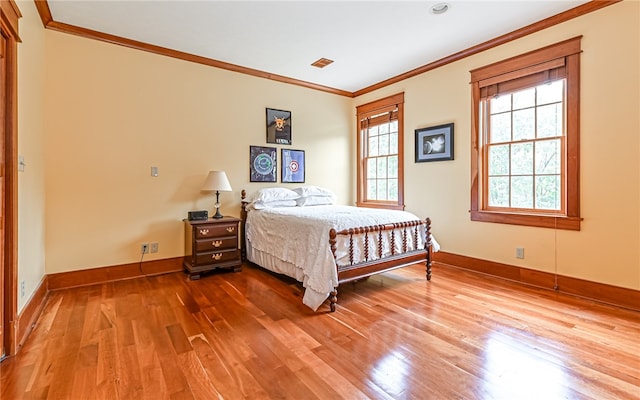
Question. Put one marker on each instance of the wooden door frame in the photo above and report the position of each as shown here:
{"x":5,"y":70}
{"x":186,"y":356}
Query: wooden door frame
{"x":9,"y":15}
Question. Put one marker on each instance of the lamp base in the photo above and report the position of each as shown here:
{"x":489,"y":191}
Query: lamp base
{"x":217,"y":215}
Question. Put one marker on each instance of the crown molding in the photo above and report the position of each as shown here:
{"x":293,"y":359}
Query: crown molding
{"x":565,"y":16}
{"x":49,"y":23}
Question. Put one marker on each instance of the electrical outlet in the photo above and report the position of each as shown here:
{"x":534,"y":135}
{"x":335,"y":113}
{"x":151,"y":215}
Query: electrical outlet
{"x":519,"y":252}
{"x":145,"y":248}
{"x":21,"y":288}
{"x":154,"y":247}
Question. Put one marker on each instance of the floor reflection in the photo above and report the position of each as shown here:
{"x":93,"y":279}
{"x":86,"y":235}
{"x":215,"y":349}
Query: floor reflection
{"x":521,"y":370}
{"x":390,"y":373}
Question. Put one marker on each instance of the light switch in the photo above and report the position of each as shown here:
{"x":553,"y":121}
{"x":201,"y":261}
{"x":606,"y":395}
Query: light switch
{"x":154,"y":171}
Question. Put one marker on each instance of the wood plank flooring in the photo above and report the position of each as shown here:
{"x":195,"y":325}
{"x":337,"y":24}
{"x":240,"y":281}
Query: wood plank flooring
{"x":246,"y":335}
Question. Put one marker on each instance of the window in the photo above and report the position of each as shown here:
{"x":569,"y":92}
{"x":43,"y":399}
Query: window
{"x":525,"y":139}
{"x":380,"y":153}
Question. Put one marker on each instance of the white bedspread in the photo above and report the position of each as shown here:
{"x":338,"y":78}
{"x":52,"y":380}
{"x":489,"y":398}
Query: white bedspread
{"x":300,"y":236}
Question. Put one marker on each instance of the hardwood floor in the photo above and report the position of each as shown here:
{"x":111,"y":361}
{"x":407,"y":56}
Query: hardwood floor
{"x":394,"y":336}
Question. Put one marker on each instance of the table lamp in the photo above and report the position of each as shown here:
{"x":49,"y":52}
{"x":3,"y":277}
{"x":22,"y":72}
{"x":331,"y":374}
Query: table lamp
{"x":216,"y":181}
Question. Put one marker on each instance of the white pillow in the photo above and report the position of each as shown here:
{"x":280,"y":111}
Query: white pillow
{"x":316,"y":201}
{"x":305,"y":191}
{"x":275,"y":194}
{"x":260,"y":205}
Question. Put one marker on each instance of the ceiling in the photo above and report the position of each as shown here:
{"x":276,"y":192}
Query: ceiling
{"x":369,"y":41}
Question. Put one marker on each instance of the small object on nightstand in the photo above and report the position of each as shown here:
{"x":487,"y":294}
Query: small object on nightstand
{"x":198,"y":215}
{"x":211,"y":244}
{"x":216,"y":181}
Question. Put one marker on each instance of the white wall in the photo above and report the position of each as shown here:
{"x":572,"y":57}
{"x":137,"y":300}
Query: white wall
{"x":606,"y":249}
{"x":113,"y":112}
{"x":94,"y":117}
{"x":31,"y":131}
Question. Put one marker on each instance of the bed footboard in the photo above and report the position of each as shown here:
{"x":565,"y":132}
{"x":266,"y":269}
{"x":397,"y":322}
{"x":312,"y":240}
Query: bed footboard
{"x":373,"y":261}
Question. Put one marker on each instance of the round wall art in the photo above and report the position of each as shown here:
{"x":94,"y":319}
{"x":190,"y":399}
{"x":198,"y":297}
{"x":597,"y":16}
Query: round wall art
{"x":263,"y":164}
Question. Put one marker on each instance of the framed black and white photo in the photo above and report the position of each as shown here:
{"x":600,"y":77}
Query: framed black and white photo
{"x":263,"y":164}
{"x":434,"y":143}
{"x":292,"y":166}
{"x":278,"y":126}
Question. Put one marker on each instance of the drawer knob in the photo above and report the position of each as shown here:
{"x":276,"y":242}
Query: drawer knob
{"x":204,"y":231}
{"x":216,"y":256}
{"x":231,"y":229}
{"x":216,"y":243}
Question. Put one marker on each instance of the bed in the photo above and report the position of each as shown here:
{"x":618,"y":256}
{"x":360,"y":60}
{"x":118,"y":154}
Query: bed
{"x":303,"y":234}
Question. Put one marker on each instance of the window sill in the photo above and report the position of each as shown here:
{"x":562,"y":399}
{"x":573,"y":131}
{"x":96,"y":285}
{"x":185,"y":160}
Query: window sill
{"x":541,"y":221}
{"x":388,"y":206}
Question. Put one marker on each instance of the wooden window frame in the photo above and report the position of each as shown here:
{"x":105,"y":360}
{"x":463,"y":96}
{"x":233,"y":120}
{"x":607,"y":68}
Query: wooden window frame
{"x":520,"y":68}
{"x":387,"y":104}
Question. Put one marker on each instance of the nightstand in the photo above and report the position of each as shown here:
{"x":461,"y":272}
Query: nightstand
{"x":211,"y":244}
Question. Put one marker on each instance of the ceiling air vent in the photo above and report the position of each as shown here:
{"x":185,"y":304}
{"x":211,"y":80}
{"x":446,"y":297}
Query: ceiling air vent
{"x":321,"y":63}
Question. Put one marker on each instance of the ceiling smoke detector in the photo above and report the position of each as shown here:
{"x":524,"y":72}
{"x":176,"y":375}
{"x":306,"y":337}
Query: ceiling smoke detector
{"x":439,"y":8}
{"x":322,"y":62}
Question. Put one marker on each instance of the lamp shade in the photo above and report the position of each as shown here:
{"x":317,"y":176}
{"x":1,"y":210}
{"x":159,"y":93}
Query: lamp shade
{"x":216,"y":181}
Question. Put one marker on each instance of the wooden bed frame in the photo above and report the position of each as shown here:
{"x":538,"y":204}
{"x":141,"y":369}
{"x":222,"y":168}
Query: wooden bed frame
{"x":359,"y":270}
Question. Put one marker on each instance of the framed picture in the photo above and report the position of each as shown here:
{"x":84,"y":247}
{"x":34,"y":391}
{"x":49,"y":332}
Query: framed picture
{"x":434,"y":143}
{"x":292,"y":166}
{"x":263,"y":164}
{"x":278,"y":126}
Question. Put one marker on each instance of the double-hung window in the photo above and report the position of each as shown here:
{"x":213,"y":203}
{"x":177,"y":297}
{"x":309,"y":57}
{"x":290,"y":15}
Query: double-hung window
{"x":380,"y":153}
{"x":525,"y":139}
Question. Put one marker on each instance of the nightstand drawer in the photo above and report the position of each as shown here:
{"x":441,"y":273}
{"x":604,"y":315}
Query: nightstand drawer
{"x":215,"y":244}
{"x":217,"y":257}
{"x":214,"y":231}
